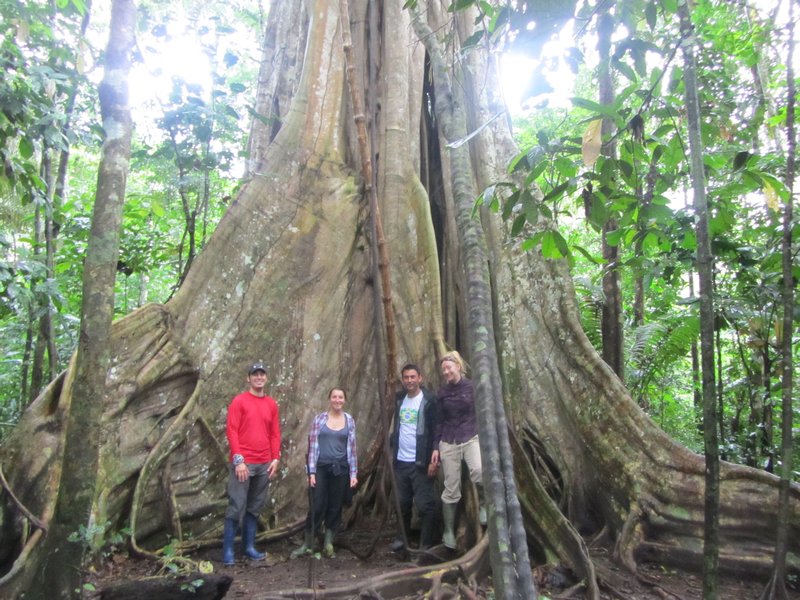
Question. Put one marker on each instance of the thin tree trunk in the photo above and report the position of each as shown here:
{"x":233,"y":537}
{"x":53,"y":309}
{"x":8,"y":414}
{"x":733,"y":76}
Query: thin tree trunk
{"x":507,"y":541}
{"x":697,"y":389}
{"x":720,"y":406}
{"x":73,"y":513}
{"x":611,"y":321}
{"x":39,"y":343}
{"x":776,"y":588}
{"x":705,"y":273}
{"x":25,"y":367}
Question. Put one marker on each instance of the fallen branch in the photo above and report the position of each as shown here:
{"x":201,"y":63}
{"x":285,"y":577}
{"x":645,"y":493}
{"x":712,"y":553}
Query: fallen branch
{"x":398,"y":583}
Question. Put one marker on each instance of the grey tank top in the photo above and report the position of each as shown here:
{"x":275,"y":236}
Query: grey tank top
{"x":332,"y":446}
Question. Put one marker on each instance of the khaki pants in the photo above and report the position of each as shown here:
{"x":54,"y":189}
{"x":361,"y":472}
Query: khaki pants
{"x":451,"y":456}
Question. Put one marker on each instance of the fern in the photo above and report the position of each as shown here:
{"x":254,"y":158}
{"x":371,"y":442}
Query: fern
{"x":657,"y":349}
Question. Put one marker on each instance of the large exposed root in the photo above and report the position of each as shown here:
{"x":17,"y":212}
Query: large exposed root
{"x":399,"y":583}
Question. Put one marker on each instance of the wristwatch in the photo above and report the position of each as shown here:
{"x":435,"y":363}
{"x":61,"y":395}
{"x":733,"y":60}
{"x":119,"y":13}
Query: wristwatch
{"x":238,"y":459}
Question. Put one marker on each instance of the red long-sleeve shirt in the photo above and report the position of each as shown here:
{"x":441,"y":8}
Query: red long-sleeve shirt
{"x":253,"y":428}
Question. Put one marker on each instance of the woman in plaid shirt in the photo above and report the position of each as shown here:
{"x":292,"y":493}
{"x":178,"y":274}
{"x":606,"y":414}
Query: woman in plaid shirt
{"x":332,"y":469}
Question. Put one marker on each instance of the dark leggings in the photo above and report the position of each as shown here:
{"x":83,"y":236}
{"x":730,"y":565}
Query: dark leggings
{"x":328,"y":497}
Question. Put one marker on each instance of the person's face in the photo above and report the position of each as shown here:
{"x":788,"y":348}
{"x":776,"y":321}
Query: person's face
{"x":411,"y":381}
{"x":257,"y":381}
{"x":450,"y":371}
{"x":336,"y":399}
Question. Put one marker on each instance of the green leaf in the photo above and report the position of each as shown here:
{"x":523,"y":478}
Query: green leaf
{"x":598,"y":214}
{"x":499,"y":18}
{"x":25,"y":148}
{"x":669,"y":6}
{"x":741,"y":159}
{"x":531,"y":213}
{"x":554,"y":245}
{"x":473,"y":40}
{"x":531,"y":243}
{"x":510,"y":203}
{"x":565,"y":167}
{"x":460,"y":5}
{"x":519,"y":161}
{"x":651,"y":14}
{"x":594,"y":107}
{"x":556,"y":192}
{"x":535,"y":172}
{"x":613,"y":237}
{"x":624,"y":69}
{"x":157,"y":208}
{"x":625,"y":167}
{"x":519,"y":223}
{"x":204,"y":133}
{"x":598,"y":260}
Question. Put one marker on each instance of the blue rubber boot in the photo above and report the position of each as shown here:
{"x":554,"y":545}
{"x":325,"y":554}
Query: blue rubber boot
{"x":249,"y":537}
{"x":229,"y":533}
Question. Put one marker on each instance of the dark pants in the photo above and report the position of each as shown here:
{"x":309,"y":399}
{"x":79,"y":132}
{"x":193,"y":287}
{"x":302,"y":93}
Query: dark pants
{"x":328,"y":497}
{"x":414,"y":486}
{"x":247,"y":496}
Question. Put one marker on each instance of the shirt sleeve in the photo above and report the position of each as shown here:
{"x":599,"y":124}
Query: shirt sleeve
{"x":437,"y":427}
{"x":275,"y":433}
{"x":232,"y":427}
{"x":313,"y":446}
{"x":351,"y":447}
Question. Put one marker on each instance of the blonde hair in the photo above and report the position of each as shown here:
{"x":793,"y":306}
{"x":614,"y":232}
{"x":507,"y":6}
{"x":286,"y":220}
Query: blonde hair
{"x":454,"y":356}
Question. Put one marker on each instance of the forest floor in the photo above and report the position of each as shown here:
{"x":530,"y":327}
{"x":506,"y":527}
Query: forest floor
{"x":253,"y":580}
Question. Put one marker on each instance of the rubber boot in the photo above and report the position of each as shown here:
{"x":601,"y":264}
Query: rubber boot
{"x":228,"y":534}
{"x":398,"y":543}
{"x":449,"y":518}
{"x":327,"y":549}
{"x":481,"y":505}
{"x":249,"y":537}
{"x":306,"y":548}
{"x":426,"y":531}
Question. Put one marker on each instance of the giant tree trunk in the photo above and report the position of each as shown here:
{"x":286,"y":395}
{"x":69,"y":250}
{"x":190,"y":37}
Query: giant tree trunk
{"x":287,"y":278}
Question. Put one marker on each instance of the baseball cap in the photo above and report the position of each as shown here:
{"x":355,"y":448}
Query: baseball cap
{"x":259,"y":366}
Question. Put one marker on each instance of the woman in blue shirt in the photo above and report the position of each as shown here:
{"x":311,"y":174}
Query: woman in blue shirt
{"x":332,"y":467}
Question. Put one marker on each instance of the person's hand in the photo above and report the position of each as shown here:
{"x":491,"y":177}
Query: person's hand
{"x":242,"y":472}
{"x":312,"y":480}
{"x":272,"y":470}
{"x":353,"y":482}
{"x":434,"y":464}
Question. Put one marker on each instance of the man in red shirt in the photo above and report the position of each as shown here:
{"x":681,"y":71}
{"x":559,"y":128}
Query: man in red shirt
{"x":254,"y":436}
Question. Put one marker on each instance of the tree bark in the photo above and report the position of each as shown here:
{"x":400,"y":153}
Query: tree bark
{"x":705,"y":267}
{"x":776,"y":588}
{"x":288,"y":276}
{"x":611,"y":320}
{"x":75,"y":494}
{"x":508,"y":547}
